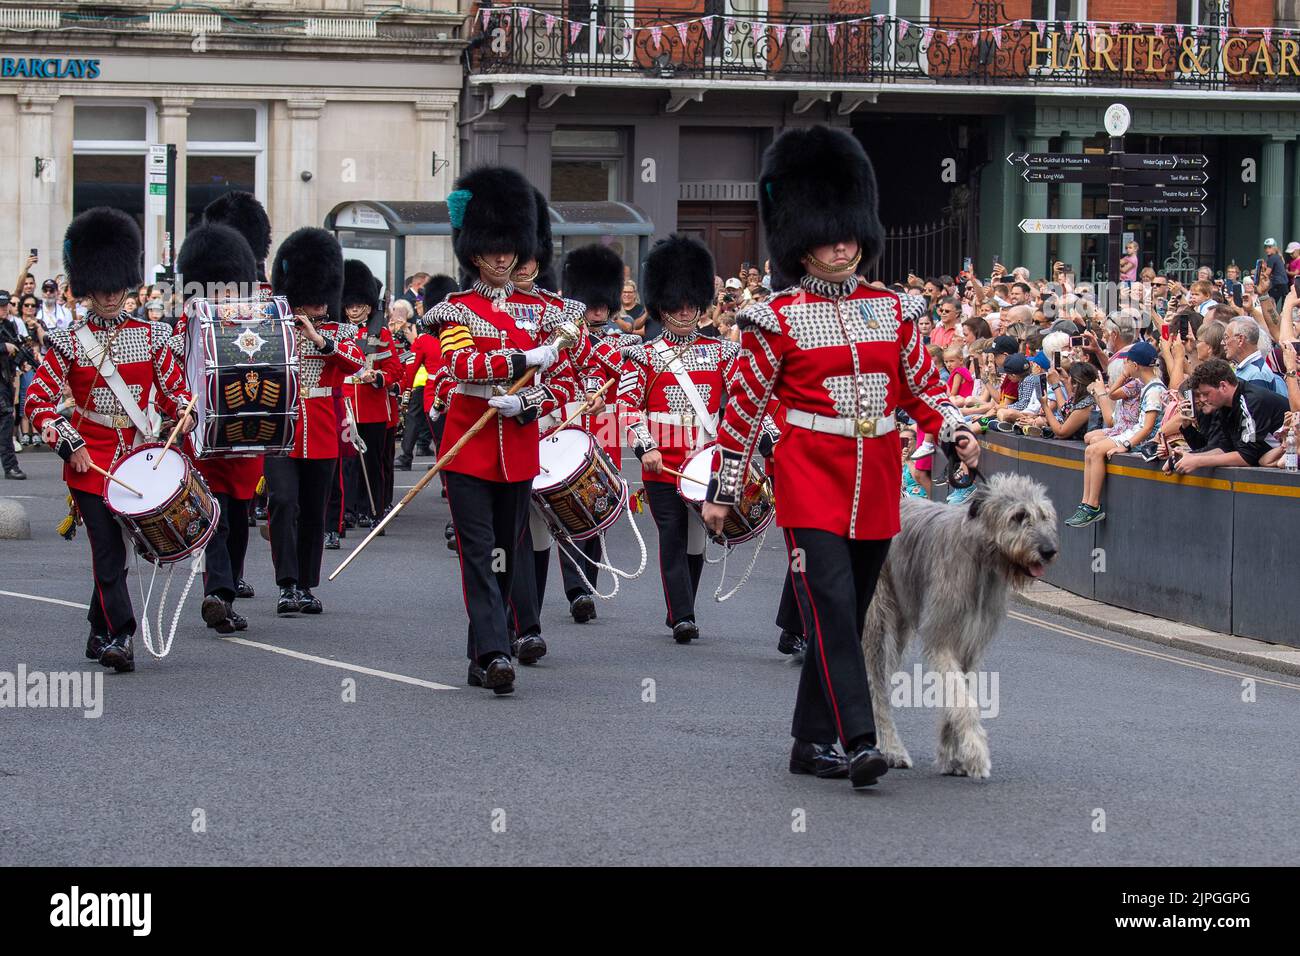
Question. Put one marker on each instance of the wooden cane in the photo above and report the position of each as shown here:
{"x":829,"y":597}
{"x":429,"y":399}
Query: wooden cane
{"x":175,"y":431}
{"x":114,"y":478}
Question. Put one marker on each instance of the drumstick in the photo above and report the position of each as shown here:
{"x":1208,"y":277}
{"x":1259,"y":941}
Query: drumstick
{"x":175,"y":431}
{"x":564,"y":340}
{"x":591,"y":400}
{"x":95,"y":467}
{"x":682,"y":475}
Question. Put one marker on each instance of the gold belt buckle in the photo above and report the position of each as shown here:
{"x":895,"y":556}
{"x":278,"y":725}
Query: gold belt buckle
{"x":866,"y":428}
{"x":121,"y":421}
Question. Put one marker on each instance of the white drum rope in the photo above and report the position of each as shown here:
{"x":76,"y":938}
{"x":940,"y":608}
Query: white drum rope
{"x":564,"y":542}
{"x":717,"y":594}
{"x":164,"y":645}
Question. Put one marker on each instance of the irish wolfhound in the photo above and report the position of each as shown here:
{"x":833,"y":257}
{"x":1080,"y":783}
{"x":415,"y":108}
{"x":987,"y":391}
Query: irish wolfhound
{"x":946,"y":578}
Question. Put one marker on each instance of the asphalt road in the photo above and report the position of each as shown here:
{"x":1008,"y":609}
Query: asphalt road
{"x":576,"y":767}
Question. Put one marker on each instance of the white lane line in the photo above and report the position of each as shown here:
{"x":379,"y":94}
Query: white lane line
{"x":342,"y":665}
{"x":1145,"y":652}
{"x":36,"y":597}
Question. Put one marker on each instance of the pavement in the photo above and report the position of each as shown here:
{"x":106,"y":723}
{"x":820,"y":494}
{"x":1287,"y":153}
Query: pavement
{"x":332,"y":740}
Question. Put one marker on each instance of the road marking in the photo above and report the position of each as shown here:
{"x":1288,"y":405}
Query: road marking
{"x":34,"y":597}
{"x":1145,"y":652}
{"x":342,"y":665}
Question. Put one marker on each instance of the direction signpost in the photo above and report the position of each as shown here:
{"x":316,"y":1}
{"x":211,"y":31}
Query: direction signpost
{"x":1139,"y":184}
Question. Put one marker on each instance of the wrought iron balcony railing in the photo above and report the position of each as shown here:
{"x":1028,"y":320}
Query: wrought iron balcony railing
{"x":608,"y":38}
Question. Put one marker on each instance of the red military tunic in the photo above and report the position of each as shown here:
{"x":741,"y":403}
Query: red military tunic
{"x":320,"y":375}
{"x":484,"y":333}
{"x":845,"y":352}
{"x":141,"y":352}
{"x":371,"y":402}
{"x":660,"y":415}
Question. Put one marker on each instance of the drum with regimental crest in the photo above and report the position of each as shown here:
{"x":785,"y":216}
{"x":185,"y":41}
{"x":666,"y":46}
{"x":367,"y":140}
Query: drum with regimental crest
{"x":749,"y":516}
{"x":174,"y":514}
{"x":579,"y":490}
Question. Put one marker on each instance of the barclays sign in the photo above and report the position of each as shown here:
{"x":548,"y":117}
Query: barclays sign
{"x":35,"y":68}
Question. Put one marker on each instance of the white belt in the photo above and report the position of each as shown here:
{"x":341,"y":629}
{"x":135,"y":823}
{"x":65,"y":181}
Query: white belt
{"x":108,"y":421}
{"x":320,"y":393}
{"x":474,"y":388}
{"x":672,"y":418}
{"x":846,"y":427}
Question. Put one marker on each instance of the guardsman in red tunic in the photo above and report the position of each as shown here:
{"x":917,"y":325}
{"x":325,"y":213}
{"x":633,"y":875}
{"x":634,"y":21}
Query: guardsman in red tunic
{"x":113,"y":364}
{"x":491,"y":335}
{"x":840,"y":358}
{"x":216,"y":258}
{"x":308,"y":272}
{"x":672,"y":395}
{"x":366,"y":391}
{"x":593,"y":277}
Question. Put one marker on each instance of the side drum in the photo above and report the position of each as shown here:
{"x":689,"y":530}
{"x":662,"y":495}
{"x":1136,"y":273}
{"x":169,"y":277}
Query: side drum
{"x":579,"y":491}
{"x":177,"y":513}
{"x":749,"y":516}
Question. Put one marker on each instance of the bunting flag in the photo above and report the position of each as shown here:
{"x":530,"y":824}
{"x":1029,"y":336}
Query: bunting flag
{"x":830,"y":32}
{"x":950,"y":36}
{"x":524,"y":14}
{"x":730,"y":25}
{"x":997,"y":37}
{"x":755,"y":29}
{"x":1114,"y":29}
{"x":1041,"y":26}
{"x":880,"y":19}
{"x":681,"y":31}
{"x":1092,"y":31}
{"x":1199,"y":33}
{"x":1016,"y":24}
{"x":902,"y":28}
{"x":806,"y":31}
{"x":1160,"y":29}
{"x":1223,"y":35}
{"x":708,"y":27}
{"x":927,"y":35}
{"x":550,"y":24}
{"x":1178,"y":32}
{"x":779,"y":30}
{"x":1268,"y":36}
{"x":487,"y":15}
{"x":574,"y":29}
{"x":600,"y":34}
{"x":1069,"y":29}
{"x":656,"y":34}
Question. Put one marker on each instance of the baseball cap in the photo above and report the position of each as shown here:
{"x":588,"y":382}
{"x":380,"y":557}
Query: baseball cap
{"x":1270,"y":242}
{"x":733,"y":283}
{"x":1041,"y":360}
{"x":1292,"y":245}
{"x":1066,"y":326}
{"x":49,"y":285}
{"x":1142,"y":353}
{"x":1004,"y":345}
{"x":4,"y":298}
{"x":1016,"y":365}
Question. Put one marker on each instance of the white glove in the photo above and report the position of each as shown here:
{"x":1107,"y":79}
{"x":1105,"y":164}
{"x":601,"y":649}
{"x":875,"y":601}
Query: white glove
{"x":510,"y":405}
{"x":543,"y":356}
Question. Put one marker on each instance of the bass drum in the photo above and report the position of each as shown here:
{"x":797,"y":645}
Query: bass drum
{"x":749,"y":517}
{"x":176,"y":514}
{"x":579,"y":491}
{"x":244,"y":370}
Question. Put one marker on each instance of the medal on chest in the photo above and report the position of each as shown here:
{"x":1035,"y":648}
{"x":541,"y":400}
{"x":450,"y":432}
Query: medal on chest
{"x":527,"y":315}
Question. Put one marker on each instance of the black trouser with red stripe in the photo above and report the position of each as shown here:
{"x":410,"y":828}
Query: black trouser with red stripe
{"x":223,"y":558}
{"x":527,"y":585}
{"x":490,"y":517}
{"x":680,"y":529}
{"x":297,"y":490}
{"x":111,"y":614}
{"x":787,"y":613}
{"x":834,"y":580}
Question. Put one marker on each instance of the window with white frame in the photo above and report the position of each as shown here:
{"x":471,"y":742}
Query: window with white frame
{"x":110,"y":144}
{"x":225,"y":151}
{"x":1059,"y":11}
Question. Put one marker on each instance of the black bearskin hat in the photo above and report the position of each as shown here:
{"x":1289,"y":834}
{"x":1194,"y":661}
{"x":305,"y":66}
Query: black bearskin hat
{"x":678,"y":271}
{"x":214,"y":254}
{"x":818,"y":187}
{"x":593,"y":275}
{"x":308,"y":269}
{"x":360,"y":287}
{"x":101,"y":252}
{"x":242,"y":212}
{"x":436,"y":289}
{"x":492,"y":209}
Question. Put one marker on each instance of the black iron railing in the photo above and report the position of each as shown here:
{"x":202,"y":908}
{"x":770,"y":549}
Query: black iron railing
{"x":985,"y":47}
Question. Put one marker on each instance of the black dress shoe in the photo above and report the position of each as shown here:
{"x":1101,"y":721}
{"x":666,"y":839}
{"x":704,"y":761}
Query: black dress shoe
{"x":685,"y":631}
{"x":498,"y":676}
{"x":259,"y":513}
{"x":450,"y":532}
{"x":15,"y":474}
{"x":331,"y":540}
{"x":290,"y":602}
{"x":244,"y":590}
{"x":789,"y":643}
{"x":117,"y":654}
{"x":402,"y":464}
{"x":95,"y":645}
{"x":237,"y":621}
{"x":583,"y":608}
{"x":424,"y":451}
{"x":216,"y":614}
{"x":349,"y":521}
{"x":308,"y":603}
{"x":364,"y":521}
{"x":820,"y":760}
{"x":528,"y":649}
{"x":866,"y":766}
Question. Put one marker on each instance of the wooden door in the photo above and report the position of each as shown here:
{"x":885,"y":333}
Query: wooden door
{"x":729,"y":229}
